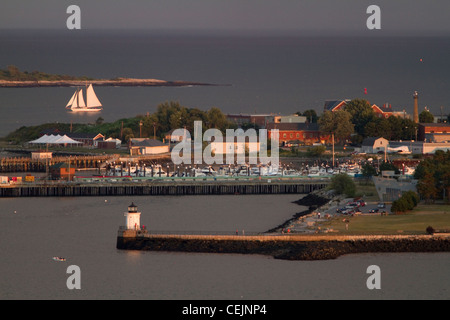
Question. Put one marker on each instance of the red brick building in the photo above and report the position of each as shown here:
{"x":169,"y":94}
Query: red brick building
{"x":384,"y":111}
{"x":433,"y":132}
{"x":307,"y":133}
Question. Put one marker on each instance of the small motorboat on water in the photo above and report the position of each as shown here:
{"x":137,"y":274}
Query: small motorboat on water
{"x":59,"y":259}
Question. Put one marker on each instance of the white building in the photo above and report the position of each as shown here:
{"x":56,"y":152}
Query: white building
{"x":374,"y":145}
{"x":421,"y":147}
{"x":118,"y":142}
{"x":236,"y":147}
{"x":147,"y":147}
{"x":41,"y":155}
{"x":133,"y":218}
{"x":294,"y":118}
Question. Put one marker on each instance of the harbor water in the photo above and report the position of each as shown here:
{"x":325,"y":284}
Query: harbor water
{"x":84,"y":230}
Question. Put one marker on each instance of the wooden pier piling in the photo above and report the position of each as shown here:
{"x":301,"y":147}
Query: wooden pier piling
{"x":149,"y":188}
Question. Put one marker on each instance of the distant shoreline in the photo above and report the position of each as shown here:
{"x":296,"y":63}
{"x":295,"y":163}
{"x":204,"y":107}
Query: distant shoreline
{"x":120,"y":82}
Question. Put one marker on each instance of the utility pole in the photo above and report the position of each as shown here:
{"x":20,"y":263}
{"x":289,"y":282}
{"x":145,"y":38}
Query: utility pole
{"x":332,"y":140}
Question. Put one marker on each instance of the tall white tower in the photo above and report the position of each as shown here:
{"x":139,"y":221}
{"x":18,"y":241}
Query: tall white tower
{"x":133,"y":218}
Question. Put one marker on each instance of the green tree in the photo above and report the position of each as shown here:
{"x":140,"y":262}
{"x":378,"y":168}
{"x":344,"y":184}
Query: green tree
{"x":368,"y":171}
{"x":378,"y":127}
{"x":128,"y":134}
{"x":99,"y":121}
{"x":151,"y":127}
{"x":343,"y":184}
{"x":388,"y":166}
{"x":409,"y":129}
{"x":427,"y":187}
{"x":14,"y":72}
{"x":361,"y":114}
{"x":400,"y":205}
{"x":216,"y":119}
{"x":310,"y":115}
{"x":338,"y":123}
{"x":426,"y":117}
{"x":412,"y":197}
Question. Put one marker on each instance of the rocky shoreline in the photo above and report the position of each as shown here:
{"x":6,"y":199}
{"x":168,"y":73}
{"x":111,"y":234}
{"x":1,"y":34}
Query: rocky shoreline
{"x":120,"y":82}
{"x":313,"y":201}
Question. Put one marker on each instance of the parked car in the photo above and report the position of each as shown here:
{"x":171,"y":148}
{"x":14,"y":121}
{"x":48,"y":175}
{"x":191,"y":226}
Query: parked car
{"x":347,"y":211}
{"x":381,"y":205}
{"x":374,"y":210}
{"x":361,"y":203}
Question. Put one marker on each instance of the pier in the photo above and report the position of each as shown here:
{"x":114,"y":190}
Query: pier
{"x":27,"y":164}
{"x":159,"y":187}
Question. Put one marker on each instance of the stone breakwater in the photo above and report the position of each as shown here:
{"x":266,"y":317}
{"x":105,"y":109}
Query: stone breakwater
{"x":122,"y":82}
{"x":284,"y":247}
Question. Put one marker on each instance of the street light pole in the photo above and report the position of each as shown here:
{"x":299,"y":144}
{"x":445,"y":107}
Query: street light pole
{"x":332,"y":140}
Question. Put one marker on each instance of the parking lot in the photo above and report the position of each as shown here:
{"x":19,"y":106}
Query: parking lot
{"x":349,"y":207}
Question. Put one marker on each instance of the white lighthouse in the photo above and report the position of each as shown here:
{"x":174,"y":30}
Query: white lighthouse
{"x":133,"y":218}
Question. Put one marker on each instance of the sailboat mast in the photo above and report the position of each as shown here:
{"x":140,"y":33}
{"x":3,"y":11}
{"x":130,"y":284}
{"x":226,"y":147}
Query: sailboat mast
{"x":77,"y":98}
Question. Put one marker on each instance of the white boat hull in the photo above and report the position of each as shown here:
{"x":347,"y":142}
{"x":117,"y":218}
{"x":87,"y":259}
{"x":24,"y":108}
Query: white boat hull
{"x":86,"y":110}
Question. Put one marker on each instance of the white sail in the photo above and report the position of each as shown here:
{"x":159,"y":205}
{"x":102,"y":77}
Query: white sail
{"x":80,"y":99}
{"x":91,"y":97}
{"x":77,"y":104}
{"x":69,"y":104}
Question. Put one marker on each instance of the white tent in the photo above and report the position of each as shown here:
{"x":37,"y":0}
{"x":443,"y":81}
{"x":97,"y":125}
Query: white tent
{"x":66,"y":140}
{"x":45,"y":139}
{"x":54,"y":139}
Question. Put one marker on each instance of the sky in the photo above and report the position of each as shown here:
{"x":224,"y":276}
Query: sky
{"x":414,"y":17}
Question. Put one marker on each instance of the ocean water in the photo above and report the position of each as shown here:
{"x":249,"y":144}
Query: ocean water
{"x":84,"y":230}
{"x":261,"y":74}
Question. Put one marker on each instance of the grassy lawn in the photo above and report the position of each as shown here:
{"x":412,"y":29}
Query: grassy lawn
{"x":414,"y":222}
{"x":366,"y":190}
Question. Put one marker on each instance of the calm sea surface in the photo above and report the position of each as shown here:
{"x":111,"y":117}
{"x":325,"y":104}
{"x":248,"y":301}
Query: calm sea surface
{"x":33,"y":230}
{"x":266,"y":74}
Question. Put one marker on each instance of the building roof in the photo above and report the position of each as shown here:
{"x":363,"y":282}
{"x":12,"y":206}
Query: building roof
{"x":73,"y":135}
{"x":62,"y":165}
{"x":288,"y":126}
{"x":440,"y":124}
{"x":330,"y":105}
{"x":147,"y":143}
{"x":369,"y":141}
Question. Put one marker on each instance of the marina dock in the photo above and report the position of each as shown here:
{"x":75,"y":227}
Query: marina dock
{"x":160,"y":187}
{"x":27,"y":164}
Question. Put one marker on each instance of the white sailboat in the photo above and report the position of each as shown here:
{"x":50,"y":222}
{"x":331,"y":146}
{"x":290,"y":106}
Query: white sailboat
{"x":77,"y":104}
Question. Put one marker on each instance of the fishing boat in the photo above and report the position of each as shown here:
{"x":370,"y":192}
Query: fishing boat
{"x":59,"y":259}
{"x":77,"y":104}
